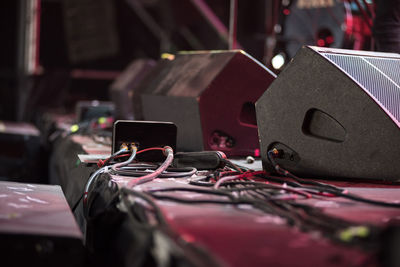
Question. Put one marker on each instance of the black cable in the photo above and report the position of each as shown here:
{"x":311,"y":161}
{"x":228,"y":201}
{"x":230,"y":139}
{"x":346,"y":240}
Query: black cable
{"x":262,"y":186}
{"x":317,"y":188}
{"x":235,"y":166}
{"x":279,"y":180}
{"x":295,"y":184}
{"x":76,"y":203}
{"x":365,"y":200}
{"x":271,"y":157}
{"x":260,"y":196}
{"x":232,"y":201}
{"x":200,"y":181}
{"x":157,"y":211}
{"x":261,"y":205}
{"x":195,"y":190}
{"x":304,"y":216}
{"x":329,"y":188}
{"x":137,"y":170}
{"x":104,"y":163}
{"x":196,"y":254}
{"x":200,"y":201}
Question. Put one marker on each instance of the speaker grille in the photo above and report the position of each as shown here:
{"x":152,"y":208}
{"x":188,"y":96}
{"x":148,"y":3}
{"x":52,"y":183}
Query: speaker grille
{"x":379,"y":77}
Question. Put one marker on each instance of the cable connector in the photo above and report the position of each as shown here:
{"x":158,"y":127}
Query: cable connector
{"x":124,"y":146}
{"x":277,"y":153}
{"x":168,"y":150}
{"x":133,"y":146}
{"x":129,"y":146}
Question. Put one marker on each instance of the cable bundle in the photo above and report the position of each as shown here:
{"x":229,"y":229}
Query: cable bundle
{"x":233,"y":185}
{"x":132,"y":174}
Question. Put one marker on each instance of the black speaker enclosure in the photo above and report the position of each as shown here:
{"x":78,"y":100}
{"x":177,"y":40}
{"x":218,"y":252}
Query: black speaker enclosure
{"x":334,"y":113}
{"x":124,"y":88}
{"x":210,"y":96}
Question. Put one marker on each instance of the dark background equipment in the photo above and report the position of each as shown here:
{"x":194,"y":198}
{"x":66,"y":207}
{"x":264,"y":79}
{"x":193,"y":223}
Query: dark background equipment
{"x":66,"y":51}
{"x":122,"y":90}
{"x":92,"y":110}
{"x":334,"y":23}
{"x":335,"y":113}
{"x":210,"y":96}
{"x":37,"y":227}
{"x":21,"y":155}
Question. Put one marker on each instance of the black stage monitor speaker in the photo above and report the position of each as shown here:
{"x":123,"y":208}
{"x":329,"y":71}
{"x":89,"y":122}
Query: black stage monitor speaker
{"x":334,"y":113}
{"x":122,"y":90}
{"x":210,"y":96}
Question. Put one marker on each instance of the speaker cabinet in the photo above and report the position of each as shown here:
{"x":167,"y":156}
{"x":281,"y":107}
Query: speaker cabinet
{"x":334,"y":113}
{"x":37,"y":227}
{"x":21,"y":154}
{"x":211,"y":97}
{"x":122,"y":90}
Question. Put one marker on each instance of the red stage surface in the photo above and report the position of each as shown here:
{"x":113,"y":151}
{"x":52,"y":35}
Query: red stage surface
{"x":243,"y":236}
{"x":240,"y":235}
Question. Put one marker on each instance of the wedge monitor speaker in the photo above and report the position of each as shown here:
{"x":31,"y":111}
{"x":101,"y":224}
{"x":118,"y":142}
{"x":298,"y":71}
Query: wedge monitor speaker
{"x":334,"y":113}
{"x":122,"y":90}
{"x":210,"y":96}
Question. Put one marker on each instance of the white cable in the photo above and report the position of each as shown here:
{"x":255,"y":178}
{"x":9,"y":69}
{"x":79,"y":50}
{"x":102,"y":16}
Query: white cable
{"x":104,"y":169}
{"x":149,"y":177}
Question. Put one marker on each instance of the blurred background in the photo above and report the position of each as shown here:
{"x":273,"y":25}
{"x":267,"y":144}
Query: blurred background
{"x":55,"y":53}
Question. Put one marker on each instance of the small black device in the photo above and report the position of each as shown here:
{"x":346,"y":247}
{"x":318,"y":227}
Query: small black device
{"x":145,"y":134}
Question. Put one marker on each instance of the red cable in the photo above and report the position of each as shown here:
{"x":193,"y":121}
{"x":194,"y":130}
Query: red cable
{"x":101,"y":163}
{"x":150,"y":149}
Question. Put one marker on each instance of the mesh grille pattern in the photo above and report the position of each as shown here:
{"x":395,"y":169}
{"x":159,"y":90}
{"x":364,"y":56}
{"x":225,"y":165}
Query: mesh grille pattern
{"x":388,"y":66}
{"x":380,"y":77}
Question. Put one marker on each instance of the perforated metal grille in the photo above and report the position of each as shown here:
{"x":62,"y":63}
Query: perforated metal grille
{"x":390,"y":67}
{"x":380,"y":77}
